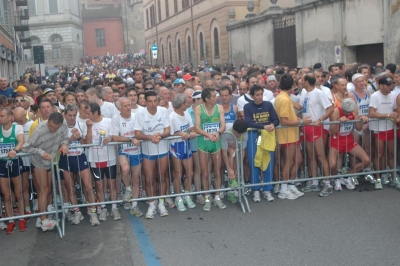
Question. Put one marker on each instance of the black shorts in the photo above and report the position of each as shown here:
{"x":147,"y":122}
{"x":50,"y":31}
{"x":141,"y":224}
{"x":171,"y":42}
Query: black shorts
{"x":11,"y":168}
{"x":76,"y":163}
{"x":110,"y":172}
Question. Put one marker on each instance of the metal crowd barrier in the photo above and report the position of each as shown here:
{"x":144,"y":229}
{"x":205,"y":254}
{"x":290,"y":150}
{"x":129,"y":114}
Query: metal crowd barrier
{"x":367,"y":170}
{"x":58,"y":208}
{"x":55,"y":211}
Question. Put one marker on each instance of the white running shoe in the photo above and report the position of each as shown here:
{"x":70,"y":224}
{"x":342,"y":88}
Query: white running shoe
{"x":277,"y":188}
{"x":297,"y":192}
{"x":348,"y":183}
{"x":48,"y":225}
{"x":189,"y":202}
{"x":115,"y":214}
{"x":136,"y":211}
{"x":170,"y":203}
{"x":287,"y":195}
{"x":162,"y":210}
{"x":338,"y":185}
{"x":38,"y":223}
{"x":78,"y":217}
{"x":94,"y":220}
{"x":256,"y":196}
{"x":127,"y":195}
{"x":179,"y":205}
{"x":268,"y":196}
{"x":3,"y":226}
{"x":103,"y":214}
{"x":150,"y":213}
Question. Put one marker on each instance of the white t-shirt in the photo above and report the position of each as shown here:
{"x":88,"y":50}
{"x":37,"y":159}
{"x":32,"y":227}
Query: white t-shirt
{"x":241,"y":102}
{"x":384,"y":104}
{"x":101,"y":153}
{"x":151,"y":124}
{"x":135,"y":111}
{"x":121,"y":126}
{"x":350,"y":87}
{"x":396,"y":90}
{"x":328,"y":94}
{"x":314,"y":104}
{"x":80,"y":120}
{"x":108,"y":110}
{"x":180,"y":123}
{"x":268,"y":94}
{"x":82,"y":128}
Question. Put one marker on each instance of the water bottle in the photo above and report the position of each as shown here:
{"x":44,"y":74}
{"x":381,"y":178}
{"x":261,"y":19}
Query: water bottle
{"x":102,"y":137}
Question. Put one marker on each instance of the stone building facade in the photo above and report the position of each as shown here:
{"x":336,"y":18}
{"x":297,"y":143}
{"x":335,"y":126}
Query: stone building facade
{"x":57,"y":26}
{"x":303,"y":32}
{"x":190,"y":30}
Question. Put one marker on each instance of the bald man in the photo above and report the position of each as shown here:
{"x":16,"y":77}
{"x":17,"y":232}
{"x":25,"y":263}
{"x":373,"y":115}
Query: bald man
{"x":197,"y":88}
{"x":19,"y":114}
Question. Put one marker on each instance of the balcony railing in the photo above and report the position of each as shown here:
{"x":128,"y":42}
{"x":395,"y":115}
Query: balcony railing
{"x":21,"y":2}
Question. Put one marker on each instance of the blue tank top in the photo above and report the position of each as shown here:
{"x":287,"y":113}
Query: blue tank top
{"x":362,"y":104}
{"x":230,"y":118}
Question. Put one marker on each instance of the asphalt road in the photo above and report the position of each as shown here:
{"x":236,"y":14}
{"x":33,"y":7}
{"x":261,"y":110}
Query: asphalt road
{"x":346,"y":228}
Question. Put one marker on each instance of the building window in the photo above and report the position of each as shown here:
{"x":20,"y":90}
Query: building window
{"x":189,"y":45}
{"x":175,"y":6}
{"x":166,"y":9}
{"x":185,"y":4}
{"x":159,"y":10}
{"x":56,"y":52}
{"x":179,"y":51}
{"x":56,"y":45}
{"x":100,"y":38}
{"x":152,"y":16}
{"x":216,"y":43}
{"x":162,"y":53}
{"x":32,"y":7}
{"x":170,"y":52}
{"x":53,"y":6}
{"x":201,"y":46}
{"x":147,"y":18}
{"x":35,"y":40}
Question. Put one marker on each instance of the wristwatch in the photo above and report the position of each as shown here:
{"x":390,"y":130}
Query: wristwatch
{"x":301,"y":123}
{"x":219,"y":133}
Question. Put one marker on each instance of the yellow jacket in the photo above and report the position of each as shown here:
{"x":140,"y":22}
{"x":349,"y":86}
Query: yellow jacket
{"x":266,"y":145}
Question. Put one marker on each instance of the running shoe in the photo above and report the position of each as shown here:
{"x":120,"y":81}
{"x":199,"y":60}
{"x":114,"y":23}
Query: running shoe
{"x":295,"y":191}
{"x":48,"y":225}
{"x":207,"y":206}
{"x":127,"y":205}
{"x":78,"y":217}
{"x":310,"y":187}
{"x":103,"y":215}
{"x":348,"y":183}
{"x":127,"y":195}
{"x":94,"y":220}
{"x":277,"y":188}
{"x":219,"y":203}
{"x":136,"y":211}
{"x":10,"y":228}
{"x":22,"y":225}
{"x":200,"y":199}
{"x":378,"y":184}
{"x":150,"y":213}
{"x":38,"y":223}
{"x":268,"y":196}
{"x":179,"y":205}
{"x":326,"y":191}
{"x":287,"y":195}
{"x":385,"y":178}
{"x":68,"y":214}
{"x":233,"y":183}
{"x":256,"y":196}
{"x":3,"y":226}
{"x":370,"y":178}
{"x":115,"y":214}
{"x":189,"y":202}
{"x":338,"y":185}
{"x":395,"y":183}
{"x":354,"y":180}
{"x":170,"y":203}
{"x":162,"y":210}
{"x":231,"y":197}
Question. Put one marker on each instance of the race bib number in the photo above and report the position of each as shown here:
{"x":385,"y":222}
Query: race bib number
{"x":210,"y":128}
{"x":129,"y":148}
{"x":346,"y":128}
{"x":5,"y":148}
{"x":74,"y":151}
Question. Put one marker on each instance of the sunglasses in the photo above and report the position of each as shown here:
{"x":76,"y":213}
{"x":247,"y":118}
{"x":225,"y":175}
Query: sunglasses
{"x":148,"y":89}
{"x":121,"y":88}
{"x":19,"y":101}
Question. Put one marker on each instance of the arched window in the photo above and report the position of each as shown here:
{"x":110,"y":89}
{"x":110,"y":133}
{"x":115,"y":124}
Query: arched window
{"x":56,"y":45}
{"x":201,"y":46}
{"x":179,"y":51}
{"x":216,"y":43}
{"x":170,"y":52}
{"x":35,"y":40}
{"x":189,"y":45}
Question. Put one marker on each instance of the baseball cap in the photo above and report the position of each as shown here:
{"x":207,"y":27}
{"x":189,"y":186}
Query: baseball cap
{"x":47,"y":90}
{"x":348,"y":105}
{"x":187,"y":77}
{"x":385,"y":81}
{"x":179,"y":81}
{"x":356,"y":76}
{"x":196,"y":94}
{"x":21,"y":89}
